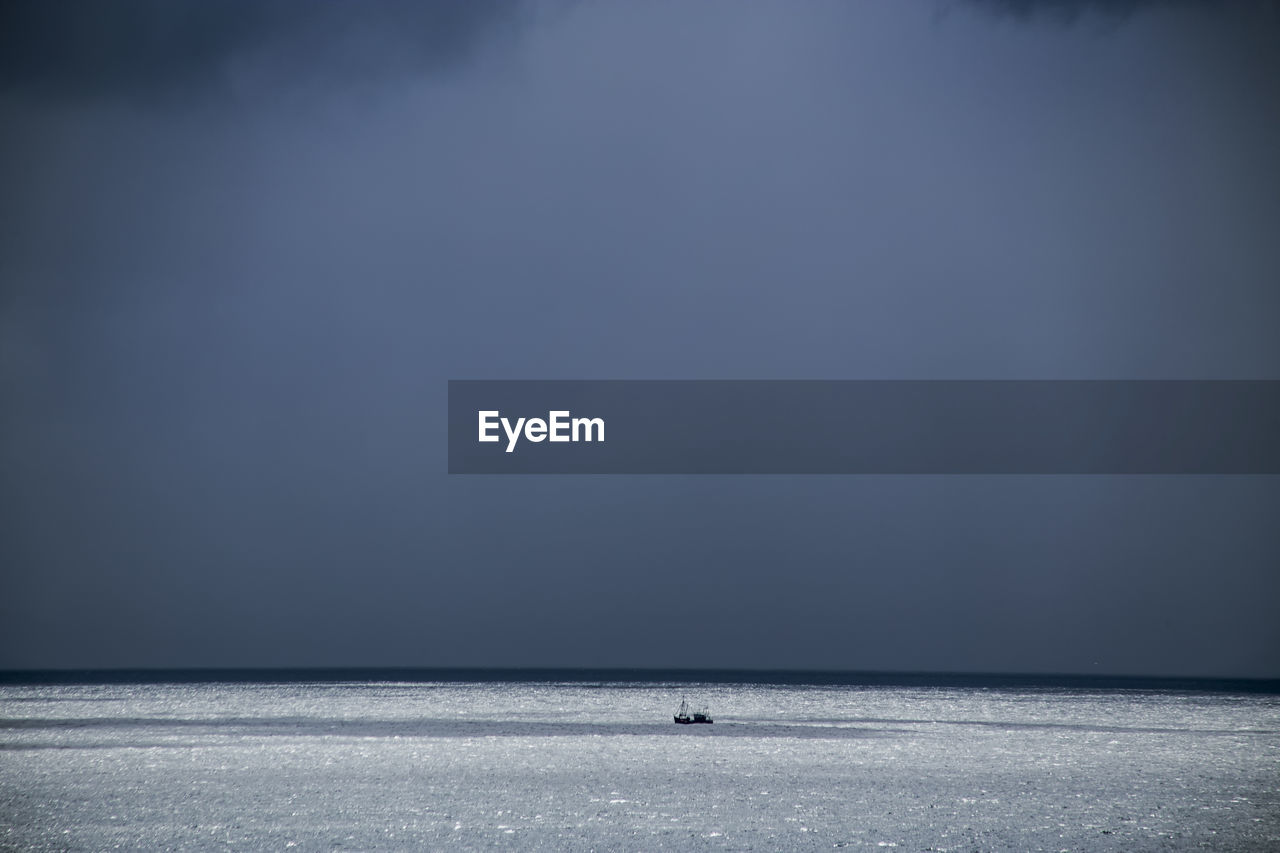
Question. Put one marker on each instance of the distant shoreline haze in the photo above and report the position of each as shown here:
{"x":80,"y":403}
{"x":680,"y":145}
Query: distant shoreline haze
{"x":1066,"y":681}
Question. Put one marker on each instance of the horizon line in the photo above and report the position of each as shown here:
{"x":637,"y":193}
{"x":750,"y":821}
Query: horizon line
{"x":634,"y":675}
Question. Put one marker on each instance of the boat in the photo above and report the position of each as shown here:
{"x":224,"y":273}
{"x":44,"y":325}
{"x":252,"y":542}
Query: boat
{"x":684,"y":718}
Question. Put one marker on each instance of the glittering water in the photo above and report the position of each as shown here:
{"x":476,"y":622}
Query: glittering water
{"x":571,"y":766}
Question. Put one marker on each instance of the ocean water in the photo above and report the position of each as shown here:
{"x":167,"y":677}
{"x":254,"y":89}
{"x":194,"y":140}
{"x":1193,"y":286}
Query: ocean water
{"x":602,"y":767}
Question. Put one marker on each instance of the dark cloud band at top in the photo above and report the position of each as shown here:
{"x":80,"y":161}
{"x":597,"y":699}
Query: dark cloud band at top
{"x":167,"y":49}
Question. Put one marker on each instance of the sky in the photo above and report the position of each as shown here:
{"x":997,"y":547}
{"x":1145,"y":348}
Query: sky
{"x":245,"y":245}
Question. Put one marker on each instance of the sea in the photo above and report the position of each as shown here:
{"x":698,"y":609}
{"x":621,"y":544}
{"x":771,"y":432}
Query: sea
{"x":547,"y":764}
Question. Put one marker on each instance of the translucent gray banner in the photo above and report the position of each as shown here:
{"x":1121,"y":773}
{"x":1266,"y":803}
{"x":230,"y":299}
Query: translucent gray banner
{"x":863,"y":427}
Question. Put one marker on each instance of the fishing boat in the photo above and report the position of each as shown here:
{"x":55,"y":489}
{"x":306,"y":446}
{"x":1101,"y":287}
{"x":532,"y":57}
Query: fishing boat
{"x":684,"y":717}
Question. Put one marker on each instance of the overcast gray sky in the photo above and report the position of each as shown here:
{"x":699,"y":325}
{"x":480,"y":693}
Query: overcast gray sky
{"x":244,"y":246}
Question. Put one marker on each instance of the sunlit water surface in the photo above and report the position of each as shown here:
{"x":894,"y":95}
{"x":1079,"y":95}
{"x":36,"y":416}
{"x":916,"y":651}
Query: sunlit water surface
{"x":578,"y":767}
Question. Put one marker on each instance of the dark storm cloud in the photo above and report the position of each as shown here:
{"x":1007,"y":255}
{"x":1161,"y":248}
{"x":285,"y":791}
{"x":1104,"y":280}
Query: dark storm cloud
{"x":225,"y":331}
{"x":158,"y":48}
